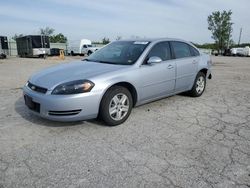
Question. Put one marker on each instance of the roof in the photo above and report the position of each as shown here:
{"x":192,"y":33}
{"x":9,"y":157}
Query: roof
{"x":153,"y":39}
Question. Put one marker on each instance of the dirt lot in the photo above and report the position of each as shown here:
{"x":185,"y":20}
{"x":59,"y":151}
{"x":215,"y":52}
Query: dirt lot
{"x":175,"y":142}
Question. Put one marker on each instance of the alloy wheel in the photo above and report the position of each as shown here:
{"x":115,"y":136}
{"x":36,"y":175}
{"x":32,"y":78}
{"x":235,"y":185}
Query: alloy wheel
{"x":200,"y":84}
{"x":118,"y":107}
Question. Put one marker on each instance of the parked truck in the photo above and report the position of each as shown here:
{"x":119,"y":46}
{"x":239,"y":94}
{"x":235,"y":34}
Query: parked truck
{"x":4,"y":48}
{"x":241,"y":51}
{"x":33,"y":46}
{"x":85,"y":48}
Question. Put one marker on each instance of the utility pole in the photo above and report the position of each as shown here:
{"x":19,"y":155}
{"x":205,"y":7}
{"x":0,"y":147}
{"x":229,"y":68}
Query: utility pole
{"x":240,"y":36}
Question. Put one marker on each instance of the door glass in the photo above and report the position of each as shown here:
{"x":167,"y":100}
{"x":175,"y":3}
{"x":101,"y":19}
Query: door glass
{"x":161,"y":50}
{"x":181,"y":49}
{"x":194,"y":51}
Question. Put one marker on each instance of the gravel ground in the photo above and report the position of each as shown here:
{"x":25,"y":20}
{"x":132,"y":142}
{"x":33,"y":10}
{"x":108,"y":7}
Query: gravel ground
{"x":175,"y":142}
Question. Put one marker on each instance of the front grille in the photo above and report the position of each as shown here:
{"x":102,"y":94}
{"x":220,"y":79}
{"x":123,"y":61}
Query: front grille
{"x":37,"y":88}
{"x":64,"y":113}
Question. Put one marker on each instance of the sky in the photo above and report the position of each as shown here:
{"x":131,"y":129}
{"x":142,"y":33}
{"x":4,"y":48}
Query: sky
{"x":95,"y":19}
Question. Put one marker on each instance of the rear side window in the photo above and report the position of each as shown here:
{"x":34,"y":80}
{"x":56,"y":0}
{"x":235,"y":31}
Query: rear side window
{"x":181,"y":49}
{"x":194,"y":52}
{"x":161,"y":50}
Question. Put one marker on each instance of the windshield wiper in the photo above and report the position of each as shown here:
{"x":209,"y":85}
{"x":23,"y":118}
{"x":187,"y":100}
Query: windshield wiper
{"x":90,"y":60}
{"x":98,"y":61}
{"x":85,"y":59}
{"x":107,"y":62}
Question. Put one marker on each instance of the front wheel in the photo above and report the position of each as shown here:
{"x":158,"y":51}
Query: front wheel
{"x":199,"y":85}
{"x":116,"y":106}
{"x":89,"y":53}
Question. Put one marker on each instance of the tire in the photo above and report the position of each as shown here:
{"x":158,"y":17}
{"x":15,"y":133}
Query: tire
{"x":198,"y":86}
{"x":89,"y":53}
{"x":116,"y":106}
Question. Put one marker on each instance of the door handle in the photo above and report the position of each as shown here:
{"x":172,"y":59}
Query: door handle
{"x":170,"y":66}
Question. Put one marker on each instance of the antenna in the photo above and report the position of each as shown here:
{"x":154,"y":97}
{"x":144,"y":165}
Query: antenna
{"x":240,"y":36}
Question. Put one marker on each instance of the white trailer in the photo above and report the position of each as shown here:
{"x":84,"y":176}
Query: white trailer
{"x":246,"y":51}
{"x":240,"y":51}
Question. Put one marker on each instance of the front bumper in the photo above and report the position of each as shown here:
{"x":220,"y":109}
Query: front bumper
{"x":64,"y":107}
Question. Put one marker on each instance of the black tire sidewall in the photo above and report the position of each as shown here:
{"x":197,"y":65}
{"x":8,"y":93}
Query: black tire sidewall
{"x":89,"y":53}
{"x":104,"y":107}
{"x":193,"y":92}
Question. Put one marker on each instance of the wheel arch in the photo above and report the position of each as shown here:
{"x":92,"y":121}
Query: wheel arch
{"x":128,"y":86}
{"x":204,"y":70}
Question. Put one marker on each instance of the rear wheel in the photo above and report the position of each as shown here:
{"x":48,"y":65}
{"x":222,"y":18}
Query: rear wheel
{"x":199,"y":85}
{"x":116,"y":106}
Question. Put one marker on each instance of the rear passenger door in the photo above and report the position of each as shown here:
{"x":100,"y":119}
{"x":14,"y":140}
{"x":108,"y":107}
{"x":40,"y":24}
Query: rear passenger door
{"x":186,"y":65}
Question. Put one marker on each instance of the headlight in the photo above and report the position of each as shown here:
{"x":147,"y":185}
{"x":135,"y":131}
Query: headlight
{"x":74,"y":87}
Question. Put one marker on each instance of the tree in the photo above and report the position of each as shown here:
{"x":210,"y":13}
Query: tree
{"x":105,"y":40}
{"x":47,"y":31}
{"x":118,"y":38}
{"x":206,"y":46}
{"x":219,"y":23}
{"x":58,"y":38}
{"x":17,"y":36}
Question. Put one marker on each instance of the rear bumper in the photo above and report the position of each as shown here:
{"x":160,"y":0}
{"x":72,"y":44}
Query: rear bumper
{"x":64,"y":107}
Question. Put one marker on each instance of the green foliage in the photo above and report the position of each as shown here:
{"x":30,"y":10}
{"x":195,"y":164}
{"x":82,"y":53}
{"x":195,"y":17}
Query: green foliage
{"x":105,"y":40}
{"x":17,"y":36}
{"x":58,"y":38}
{"x":241,"y":45}
{"x":206,"y":46}
{"x":47,"y":31}
{"x":219,"y":23}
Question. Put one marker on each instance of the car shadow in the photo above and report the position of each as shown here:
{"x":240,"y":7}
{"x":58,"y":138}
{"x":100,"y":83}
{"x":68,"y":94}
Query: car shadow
{"x":23,"y":111}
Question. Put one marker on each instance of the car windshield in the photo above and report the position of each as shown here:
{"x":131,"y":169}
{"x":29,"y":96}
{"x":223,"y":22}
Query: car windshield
{"x":119,"y":52}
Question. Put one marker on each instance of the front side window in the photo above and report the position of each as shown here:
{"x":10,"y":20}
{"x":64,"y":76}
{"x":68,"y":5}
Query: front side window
{"x":161,"y":50}
{"x":181,"y":49}
{"x":119,"y":52}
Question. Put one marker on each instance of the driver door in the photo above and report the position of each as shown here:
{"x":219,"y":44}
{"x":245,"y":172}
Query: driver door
{"x":157,"y":79}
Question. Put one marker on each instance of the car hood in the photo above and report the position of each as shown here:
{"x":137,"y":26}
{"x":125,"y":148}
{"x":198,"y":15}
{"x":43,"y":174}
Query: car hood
{"x":53,"y":76}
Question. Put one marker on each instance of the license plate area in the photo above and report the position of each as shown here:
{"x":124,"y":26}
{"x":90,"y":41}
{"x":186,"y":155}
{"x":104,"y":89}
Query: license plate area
{"x":31,"y":104}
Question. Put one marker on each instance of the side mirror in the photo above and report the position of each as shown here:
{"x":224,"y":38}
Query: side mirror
{"x":154,"y":59}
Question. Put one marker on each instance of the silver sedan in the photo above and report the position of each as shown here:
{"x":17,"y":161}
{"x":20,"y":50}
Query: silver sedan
{"x":114,"y":79}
